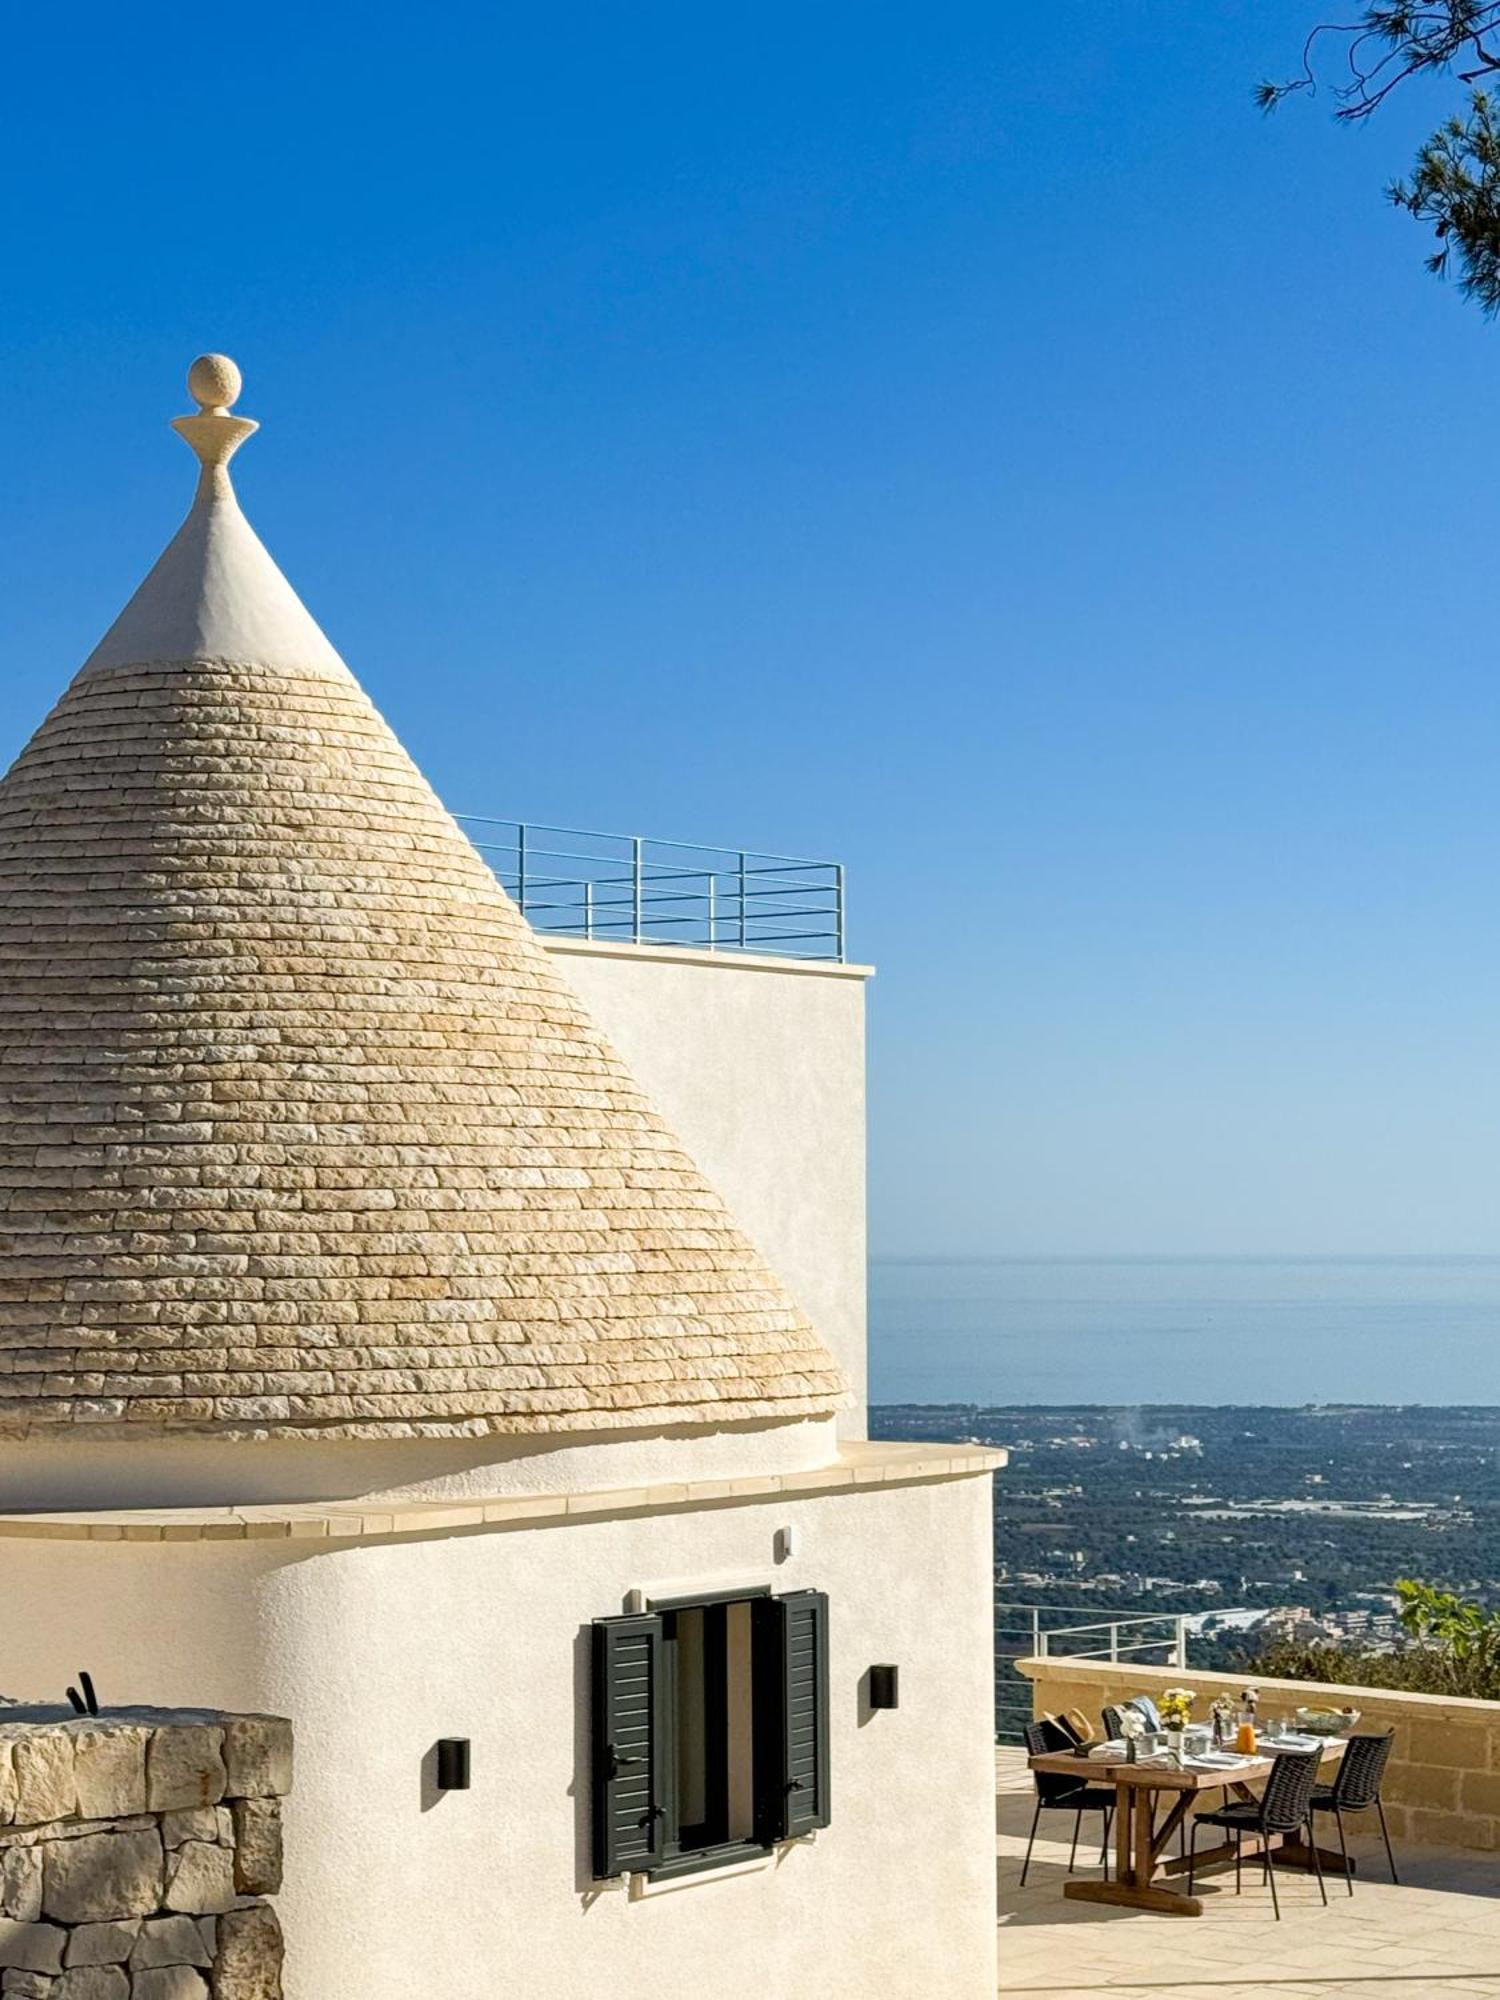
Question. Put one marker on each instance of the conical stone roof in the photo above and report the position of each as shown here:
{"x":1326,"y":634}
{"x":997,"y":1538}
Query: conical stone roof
{"x":300,"y":1131}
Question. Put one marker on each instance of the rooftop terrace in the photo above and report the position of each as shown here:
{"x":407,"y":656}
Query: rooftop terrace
{"x":1436,"y":1935}
{"x":624,"y":888}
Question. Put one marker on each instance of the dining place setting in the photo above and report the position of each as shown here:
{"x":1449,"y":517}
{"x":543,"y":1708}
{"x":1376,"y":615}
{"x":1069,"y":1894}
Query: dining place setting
{"x":1148,"y":1772}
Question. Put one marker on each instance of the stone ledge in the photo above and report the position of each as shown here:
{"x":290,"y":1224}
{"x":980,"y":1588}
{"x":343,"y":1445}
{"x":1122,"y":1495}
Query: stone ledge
{"x":723,"y":961}
{"x":1420,"y":1707}
{"x":861,"y":1465}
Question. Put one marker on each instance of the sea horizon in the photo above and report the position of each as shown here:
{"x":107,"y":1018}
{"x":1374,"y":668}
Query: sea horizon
{"x":1213,"y":1330}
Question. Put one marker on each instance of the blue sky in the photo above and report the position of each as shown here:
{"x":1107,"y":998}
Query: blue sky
{"x":1016,"y":469}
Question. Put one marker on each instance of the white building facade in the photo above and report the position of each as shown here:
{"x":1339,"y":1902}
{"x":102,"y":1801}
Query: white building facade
{"x":391,"y":1341}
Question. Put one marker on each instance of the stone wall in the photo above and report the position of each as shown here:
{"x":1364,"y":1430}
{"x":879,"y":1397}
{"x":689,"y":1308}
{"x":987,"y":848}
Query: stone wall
{"x":137,"y":1851}
{"x":1442,"y":1785}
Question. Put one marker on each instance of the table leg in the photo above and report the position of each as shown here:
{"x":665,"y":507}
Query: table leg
{"x":1145,"y":1826}
{"x":1137,"y":1851}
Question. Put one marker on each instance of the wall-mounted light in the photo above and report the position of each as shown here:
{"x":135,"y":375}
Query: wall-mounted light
{"x":885,"y":1690}
{"x":788,"y":1542}
{"x":453,"y":1764}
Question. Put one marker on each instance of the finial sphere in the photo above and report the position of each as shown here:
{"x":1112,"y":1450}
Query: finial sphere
{"x":214,"y":382}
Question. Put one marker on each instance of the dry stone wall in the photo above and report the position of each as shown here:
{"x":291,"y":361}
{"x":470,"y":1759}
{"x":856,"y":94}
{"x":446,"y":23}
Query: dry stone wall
{"x":138,"y":1852}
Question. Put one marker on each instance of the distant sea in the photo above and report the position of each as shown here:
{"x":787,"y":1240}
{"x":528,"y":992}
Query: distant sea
{"x":1191,"y":1330}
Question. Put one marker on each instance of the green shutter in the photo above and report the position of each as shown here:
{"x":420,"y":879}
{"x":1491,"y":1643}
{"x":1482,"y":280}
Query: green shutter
{"x":629,"y":1734}
{"x":801,"y":1625}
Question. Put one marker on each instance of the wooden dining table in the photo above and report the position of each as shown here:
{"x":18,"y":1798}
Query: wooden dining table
{"x":1143,"y":1831}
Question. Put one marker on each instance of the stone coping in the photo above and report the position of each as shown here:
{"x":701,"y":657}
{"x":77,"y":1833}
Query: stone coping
{"x":724,"y":961}
{"x":1438,"y":1707}
{"x":861,"y":1464}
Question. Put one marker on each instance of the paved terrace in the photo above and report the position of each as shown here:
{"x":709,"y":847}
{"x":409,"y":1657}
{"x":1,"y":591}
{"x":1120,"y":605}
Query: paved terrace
{"x":1436,"y":1935}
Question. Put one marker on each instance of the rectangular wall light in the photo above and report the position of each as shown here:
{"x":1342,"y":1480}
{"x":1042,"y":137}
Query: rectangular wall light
{"x":453,"y":1764}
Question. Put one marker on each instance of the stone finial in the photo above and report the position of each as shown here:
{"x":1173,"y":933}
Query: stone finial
{"x":214,"y":383}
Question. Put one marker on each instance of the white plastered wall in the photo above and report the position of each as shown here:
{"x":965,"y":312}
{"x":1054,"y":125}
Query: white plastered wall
{"x":758,"y":1065}
{"x":377,"y":1650}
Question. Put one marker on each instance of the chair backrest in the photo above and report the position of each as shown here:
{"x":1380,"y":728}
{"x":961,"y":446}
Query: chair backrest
{"x":1052,"y":1787}
{"x":1111,"y":1719}
{"x":1287,"y":1799}
{"x":1147,"y":1709}
{"x":1360,"y":1773}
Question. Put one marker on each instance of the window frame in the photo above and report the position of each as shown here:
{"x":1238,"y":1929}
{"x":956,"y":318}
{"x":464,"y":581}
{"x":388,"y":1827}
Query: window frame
{"x":771,"y":1807}
{"x":687,"y":1850}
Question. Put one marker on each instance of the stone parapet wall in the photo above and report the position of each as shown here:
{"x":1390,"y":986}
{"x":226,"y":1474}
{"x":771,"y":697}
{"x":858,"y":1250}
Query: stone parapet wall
{"x":138,"y":1849}
{"x":1442,"y":1785}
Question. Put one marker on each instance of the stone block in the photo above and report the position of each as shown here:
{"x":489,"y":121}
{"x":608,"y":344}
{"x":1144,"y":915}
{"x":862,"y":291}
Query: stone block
{"x":7,"y":1781}
{"x":248,"y":1964}
{"x":17,"y":1985}
{"x":196,"y":1823}
{"x":1481,"y":1793}
{"x":102,"y":1944}
{"x":1459,"y":1745}
{"x":32,"y":1947}
{"x":257,"y":1847}
{"x":200,"y":1879}
{"x":170,"y":1941}
{"x":102,"y":1876}
{"x":169,"y":1982}
{"x":44,"y":1776}
{"x":1447,"y":1829}
{"x":1434,"y":1786}
{"x":185,"y":1767}
{"x":93,"y":1982}
{"x":21,"y":1883}
{"x":257,"y":1756}
{"x":109,"y":1769}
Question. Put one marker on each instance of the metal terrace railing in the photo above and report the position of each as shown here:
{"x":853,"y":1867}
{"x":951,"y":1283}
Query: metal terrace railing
{"x":1156,"y":1638}
{"x":618,"y":887}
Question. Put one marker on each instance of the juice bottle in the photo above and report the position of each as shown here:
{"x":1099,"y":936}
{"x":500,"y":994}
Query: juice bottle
{"x":1244,"y":1740}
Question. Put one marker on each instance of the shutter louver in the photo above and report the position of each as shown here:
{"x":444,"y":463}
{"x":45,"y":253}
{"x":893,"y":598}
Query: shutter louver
{"x":803,"y":1619}
{"x":628,"y":1735}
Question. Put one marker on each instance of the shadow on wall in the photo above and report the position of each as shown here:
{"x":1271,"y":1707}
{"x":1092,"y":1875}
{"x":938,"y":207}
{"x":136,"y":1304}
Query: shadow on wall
{"x":584,"y":1882}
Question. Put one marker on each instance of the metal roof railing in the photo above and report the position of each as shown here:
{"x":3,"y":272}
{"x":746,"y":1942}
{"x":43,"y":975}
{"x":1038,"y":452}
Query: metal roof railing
{"x":618,"y":887}
{"x":1149,"y":1638}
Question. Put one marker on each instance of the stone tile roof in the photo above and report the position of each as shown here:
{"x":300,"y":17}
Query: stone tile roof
{"x":300,"y":1129}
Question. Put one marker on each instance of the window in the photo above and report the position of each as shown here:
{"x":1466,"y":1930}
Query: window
{"x":710,"y":1730}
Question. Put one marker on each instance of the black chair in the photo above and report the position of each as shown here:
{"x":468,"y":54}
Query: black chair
{"x":1060,"y":1791}
{"x":1355,"y":1789}
{"x":1285,"y":1806}
{"x":1111,"y":1719}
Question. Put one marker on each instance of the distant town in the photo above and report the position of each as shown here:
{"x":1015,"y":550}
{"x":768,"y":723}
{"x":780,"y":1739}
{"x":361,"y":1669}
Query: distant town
{"x":1255,"y":1523}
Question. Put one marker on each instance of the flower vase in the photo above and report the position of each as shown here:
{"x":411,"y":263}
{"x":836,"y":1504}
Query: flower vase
{"x":1174,"y":1741}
